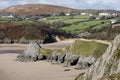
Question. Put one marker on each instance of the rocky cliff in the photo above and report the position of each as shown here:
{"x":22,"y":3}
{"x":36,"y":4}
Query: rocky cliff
{"x":108,"y":66}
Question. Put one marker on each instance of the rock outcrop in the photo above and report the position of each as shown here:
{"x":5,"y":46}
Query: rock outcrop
{"x":107,"y":65}
{"x":31,"y":53}
{"x":70,"y":60}
{"x":85,"y":62}
{"x":61,"y":58}
{"x":53,"y":57}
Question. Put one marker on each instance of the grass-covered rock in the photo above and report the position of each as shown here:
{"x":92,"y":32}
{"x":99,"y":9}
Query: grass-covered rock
{"x":86,"y":48}
{"x":107,"y":67}
{"x":111,"y":77}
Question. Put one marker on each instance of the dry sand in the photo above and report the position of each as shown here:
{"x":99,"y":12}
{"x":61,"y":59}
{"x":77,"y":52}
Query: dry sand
{"x":40,"y":70}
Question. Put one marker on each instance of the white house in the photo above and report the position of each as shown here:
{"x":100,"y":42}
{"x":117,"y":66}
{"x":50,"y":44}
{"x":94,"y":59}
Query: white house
{"x":9,"y":16}
{"x":83,"y":14}
{"x":113,"y":21}
{"x":104,"y":14}
{"x":67,"y":14}
{"x":114,"y":14}
{"x":90,"y":14}
{"x":42,"y":19}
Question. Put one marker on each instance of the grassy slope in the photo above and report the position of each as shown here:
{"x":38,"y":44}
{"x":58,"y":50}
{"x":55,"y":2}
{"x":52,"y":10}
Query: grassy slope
{"x":86,"y":48}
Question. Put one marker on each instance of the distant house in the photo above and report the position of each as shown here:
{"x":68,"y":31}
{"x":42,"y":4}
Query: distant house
{"x":104,"y":14}
{"x":83,"y":14}
{"x":67,"y":14}
{"x":90,"y":14}
{"x":8,"y":16}
{"x":114,"y":14}
{"x":42,"y":19}
{"x":113,"y":21}
{"x":55,"y":14}
{"x":97,"y":18}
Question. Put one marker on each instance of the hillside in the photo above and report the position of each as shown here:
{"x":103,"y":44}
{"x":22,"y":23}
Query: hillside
{"x":31,"y":9}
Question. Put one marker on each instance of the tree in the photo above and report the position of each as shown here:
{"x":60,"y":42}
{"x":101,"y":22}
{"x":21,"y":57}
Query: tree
{"x":92,"y":17}
{"x":62,"y":14}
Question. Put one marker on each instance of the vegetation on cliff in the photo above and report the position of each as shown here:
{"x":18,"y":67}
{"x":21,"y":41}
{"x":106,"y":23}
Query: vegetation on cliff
{"x":86,"y":48}
{"x":106,"y":67}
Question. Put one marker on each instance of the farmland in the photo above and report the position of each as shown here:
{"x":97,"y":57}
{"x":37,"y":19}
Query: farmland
{"x":78,"y":24}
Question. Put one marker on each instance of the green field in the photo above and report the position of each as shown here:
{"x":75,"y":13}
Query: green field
{"x":66,"y":19}
{"x":76,"y":28}
{"x":23,"y":21}
{"x":81,"y":17}
{"x":76,"y":23}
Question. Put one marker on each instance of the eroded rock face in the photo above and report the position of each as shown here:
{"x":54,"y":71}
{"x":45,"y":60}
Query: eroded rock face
{"x":31,"y":53}
{"x":85,"y":62}
{"x":61,"y":58}
{"x":42,"y":57}
{"x":53,"y":57}
{"x":71,"y":59}
{"x":107,"y":65}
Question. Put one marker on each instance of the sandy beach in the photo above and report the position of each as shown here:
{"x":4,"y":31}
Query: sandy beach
{"x":40,"y":70}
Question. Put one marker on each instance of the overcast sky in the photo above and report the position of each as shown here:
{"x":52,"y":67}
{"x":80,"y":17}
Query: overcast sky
{"x":79,"y":4}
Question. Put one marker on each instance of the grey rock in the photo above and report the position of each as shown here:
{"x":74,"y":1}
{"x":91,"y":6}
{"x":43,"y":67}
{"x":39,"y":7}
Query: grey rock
{"x":53,"y":57}
{"x":70,"y":60}
{"x":85,"y":62}
{"x":84,"y":34}
{"x":31,"y":53}
{"x":61,"y":58}
{"x":1,"y":41}
{"x":42,"y":57}
{"x":7,"y":41}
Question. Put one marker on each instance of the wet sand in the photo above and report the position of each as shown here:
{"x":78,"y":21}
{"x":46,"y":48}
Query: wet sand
{"x":40,"y":70}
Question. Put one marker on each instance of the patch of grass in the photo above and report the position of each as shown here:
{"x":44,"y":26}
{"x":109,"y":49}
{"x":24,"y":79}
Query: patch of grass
{"x":87,"y":48}
{"x":23,"y":21}
{"x":66,"y":19}
{"x":45,"y":51}
{"x":111,"y":77}
{"x":59,"y":17}
{"x":102,"y":24}
{"x":72,"y":20}
{"x":53,"y":20}
{"x":81,"y":17}
{"x":48,"y":51}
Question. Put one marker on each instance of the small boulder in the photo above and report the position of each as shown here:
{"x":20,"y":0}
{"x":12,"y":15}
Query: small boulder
{"x":53,"y":57}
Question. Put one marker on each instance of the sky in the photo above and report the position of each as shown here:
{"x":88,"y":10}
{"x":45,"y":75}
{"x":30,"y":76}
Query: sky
{"x":77,"y":4}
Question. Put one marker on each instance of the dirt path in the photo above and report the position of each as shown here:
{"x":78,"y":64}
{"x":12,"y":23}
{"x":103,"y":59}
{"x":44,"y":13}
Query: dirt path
{"x":100,"y":41}
{"x":67,"y":42}
{"x":41,"y":70}
{"x":57,"y":45}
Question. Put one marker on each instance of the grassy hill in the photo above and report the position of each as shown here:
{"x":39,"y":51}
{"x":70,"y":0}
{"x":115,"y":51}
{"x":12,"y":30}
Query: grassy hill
{"x":32,"y":9}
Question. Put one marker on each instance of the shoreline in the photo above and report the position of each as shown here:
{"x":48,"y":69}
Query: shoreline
{"x":40,"y":70}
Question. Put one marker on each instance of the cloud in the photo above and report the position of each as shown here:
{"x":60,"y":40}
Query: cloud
{"x":79,"y":4}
